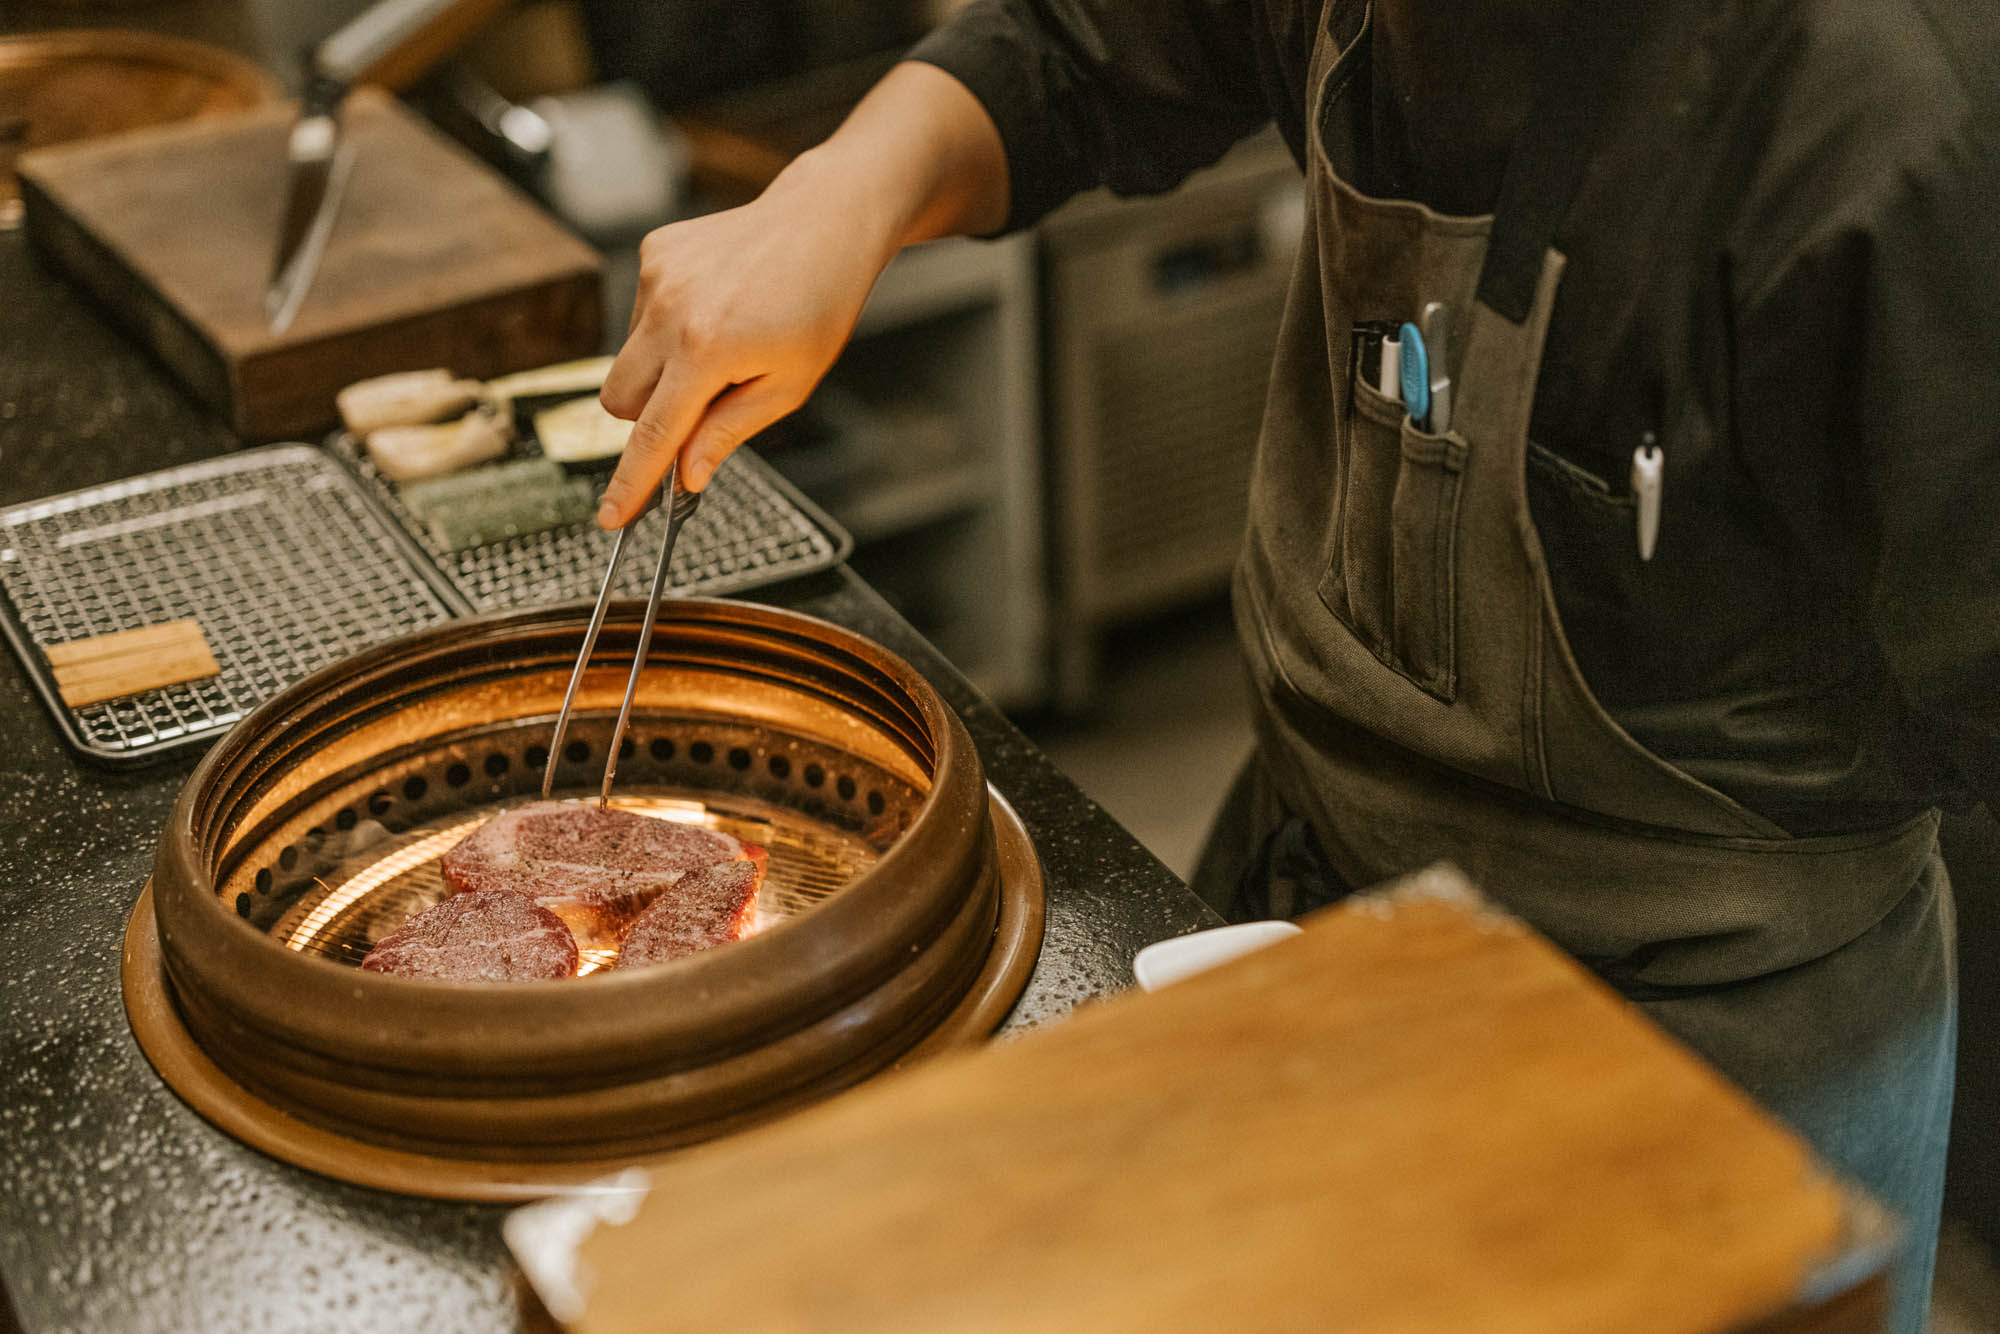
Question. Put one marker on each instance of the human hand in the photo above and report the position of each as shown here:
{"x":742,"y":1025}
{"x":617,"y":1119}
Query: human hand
{"x":738,"y":316}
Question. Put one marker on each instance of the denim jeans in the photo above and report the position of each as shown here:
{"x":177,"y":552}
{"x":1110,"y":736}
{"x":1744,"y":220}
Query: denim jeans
{"x":1861,"y":1068}
{"x":1855,"y":1051}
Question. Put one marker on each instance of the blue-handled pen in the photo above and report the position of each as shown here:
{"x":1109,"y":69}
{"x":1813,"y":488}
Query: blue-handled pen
{"x":1416,"y":375}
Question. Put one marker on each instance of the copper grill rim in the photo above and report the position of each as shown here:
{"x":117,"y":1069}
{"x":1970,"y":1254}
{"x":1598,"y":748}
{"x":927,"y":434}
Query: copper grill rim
{"x":269,"y":1017}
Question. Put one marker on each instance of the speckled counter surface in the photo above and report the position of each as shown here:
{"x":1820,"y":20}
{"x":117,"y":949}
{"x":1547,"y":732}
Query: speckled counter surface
{"x":120,"y":1209}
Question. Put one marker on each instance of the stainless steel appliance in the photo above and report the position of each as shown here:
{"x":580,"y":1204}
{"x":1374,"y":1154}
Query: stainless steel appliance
{"x":1161,"y":315}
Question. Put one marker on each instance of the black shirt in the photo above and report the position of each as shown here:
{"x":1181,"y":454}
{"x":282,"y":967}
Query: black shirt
{"x":1793,"y":215}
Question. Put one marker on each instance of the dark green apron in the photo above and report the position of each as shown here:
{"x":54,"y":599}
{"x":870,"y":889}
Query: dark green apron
{"x":1416,"y":700}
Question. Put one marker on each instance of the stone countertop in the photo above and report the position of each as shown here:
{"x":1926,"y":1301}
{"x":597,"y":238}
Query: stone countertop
{"x":120,"y":1209}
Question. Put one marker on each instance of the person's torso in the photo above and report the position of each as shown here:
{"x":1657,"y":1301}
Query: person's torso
{"x":1739,"y":652}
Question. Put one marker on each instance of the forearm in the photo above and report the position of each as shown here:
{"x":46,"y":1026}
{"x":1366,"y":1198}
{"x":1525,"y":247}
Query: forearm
{"x":918,"y":159}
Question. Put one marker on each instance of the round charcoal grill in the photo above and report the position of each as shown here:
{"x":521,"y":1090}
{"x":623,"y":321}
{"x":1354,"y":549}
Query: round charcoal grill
{"x":900,"y":914}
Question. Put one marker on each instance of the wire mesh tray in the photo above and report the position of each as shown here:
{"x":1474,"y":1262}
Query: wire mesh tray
{"x":291,"y":557}
{"x":753,"y":528}
{"x":276,"y":552}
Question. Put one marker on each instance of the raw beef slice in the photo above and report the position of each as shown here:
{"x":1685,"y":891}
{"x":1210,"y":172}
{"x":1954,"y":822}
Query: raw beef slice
{"x":482,"y":937}
{"x":594,"y":866}
{"x":707,"y":907}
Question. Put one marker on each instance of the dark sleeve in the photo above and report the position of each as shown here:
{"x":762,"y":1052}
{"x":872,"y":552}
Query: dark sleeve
{"x":1873,"y":335}
{"x":1133,"y":95}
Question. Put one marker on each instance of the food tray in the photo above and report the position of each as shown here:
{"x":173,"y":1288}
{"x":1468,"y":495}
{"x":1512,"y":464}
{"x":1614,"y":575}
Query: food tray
{"x":276,"y":552}
{"x":753,"y":528}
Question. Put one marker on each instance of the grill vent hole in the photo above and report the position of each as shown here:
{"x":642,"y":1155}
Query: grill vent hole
{"x":781,"y":768}
{"x":496,"y":764}
{"x":344,"y":819}
{"x":458,"y":775}
{"x":845,"y":787}
{"x":627,"y":748}
{"x":661,"y":749}
{"x":739,"y":758}
{"x":876,"y":804}
{"x":264,"y":881}
{"x":414,"y":787}
{"x":701,"y":752}
{"x":288,"y":858}
{"x":535,"y":756}
{"x":378,"y":804}
{"x":576,"y":752}
{"x":814,"y":775}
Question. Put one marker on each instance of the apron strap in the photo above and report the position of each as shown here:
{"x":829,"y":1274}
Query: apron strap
{"x":1288,"y":876}
{"x":1578,"y":71}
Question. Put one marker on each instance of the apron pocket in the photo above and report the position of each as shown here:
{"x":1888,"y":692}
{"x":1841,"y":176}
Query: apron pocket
{"x":1392,"y":575}
{"x":1356,"y":588}
{"x":1424,"y":526}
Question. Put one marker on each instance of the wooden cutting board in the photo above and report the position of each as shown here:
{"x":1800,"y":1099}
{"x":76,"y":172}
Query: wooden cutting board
{"x":434,"y":259}
{"x":1416,"y":1116}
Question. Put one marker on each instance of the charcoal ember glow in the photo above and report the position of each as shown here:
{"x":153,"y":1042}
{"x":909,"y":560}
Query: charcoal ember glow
{"x":491,"y":936}
{"x":596,"y":867}
{"x":704,"y":908}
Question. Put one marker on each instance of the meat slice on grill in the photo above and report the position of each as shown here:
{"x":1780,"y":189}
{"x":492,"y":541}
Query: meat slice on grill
{"x":594,"y":866}
{"x":708,"y":907}
{"x":490,"y":936}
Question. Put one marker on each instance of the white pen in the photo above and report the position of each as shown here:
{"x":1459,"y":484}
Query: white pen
{"x":1391,"y":368}
{"x":1432,"y":326}
{"x":1649,"y":468}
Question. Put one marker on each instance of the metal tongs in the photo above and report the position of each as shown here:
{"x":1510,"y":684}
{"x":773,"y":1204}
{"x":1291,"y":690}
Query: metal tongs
{"x":680,"y":508}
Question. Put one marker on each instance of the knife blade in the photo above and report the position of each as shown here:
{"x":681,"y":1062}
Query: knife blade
{"x":317,"y":166}
{"x":388,"y":42}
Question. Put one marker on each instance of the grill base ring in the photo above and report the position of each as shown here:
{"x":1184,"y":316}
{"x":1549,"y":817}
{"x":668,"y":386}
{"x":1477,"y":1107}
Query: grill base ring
{"x":226,"y":1104}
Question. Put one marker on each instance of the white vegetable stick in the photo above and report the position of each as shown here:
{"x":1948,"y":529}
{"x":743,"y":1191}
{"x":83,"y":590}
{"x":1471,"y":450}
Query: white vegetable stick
{"x":410,"y":453}
{"x":566,"y":377}
{"x":406,"y":398}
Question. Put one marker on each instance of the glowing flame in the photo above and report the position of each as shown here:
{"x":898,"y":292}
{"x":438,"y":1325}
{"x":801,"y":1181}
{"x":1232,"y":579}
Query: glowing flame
{"x":400,"y":862}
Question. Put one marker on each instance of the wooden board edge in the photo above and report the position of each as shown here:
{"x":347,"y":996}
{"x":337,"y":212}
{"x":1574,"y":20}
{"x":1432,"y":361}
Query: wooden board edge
{"x":126,"y":297}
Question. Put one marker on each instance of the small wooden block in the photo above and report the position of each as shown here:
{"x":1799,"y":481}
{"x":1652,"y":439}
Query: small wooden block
{"x":90,"y":671}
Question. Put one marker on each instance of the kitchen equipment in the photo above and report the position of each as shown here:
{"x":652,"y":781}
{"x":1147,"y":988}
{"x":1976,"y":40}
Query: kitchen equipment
{"x":754,"y":528}
{"x":436,"y":260}
{"x":1162,"y":314}
{"x":679,"y":510}
{"x":601,"y":157}
{"x":60,"y":87}
{"x":316,"y":177}
{"x":681,"y":505}
{"x":387,"y":36}
{"x":900,"y":915}
{"x":289,"y":561}
{"x":277,"y":553}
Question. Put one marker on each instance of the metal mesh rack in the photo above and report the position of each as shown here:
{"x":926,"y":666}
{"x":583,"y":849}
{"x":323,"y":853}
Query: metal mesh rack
{"x":275,"y":552}
{"x":289,"y":561}
{"x":752,"y":528}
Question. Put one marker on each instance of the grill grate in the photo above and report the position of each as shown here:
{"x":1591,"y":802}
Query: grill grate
{"x":275,"y":552}
{"x":752,"y":529}
{"x":348,"y":913}
{"x":352,"y":861}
